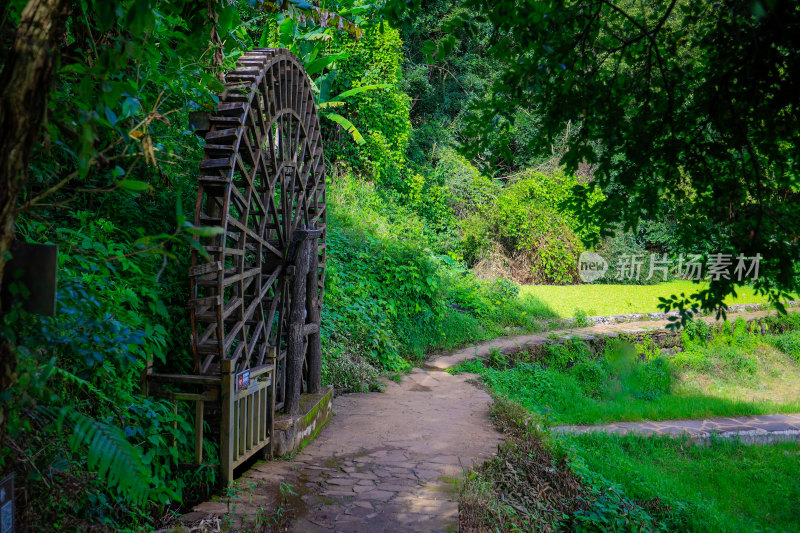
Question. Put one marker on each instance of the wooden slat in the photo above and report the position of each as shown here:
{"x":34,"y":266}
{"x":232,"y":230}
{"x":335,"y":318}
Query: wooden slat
{"x":207,"y":268}
{"x":226,"y":122}
{"x":185,"y":379}
{"x":203,"y":303}
{"x":231,"y":109}
{"x":212,"y":164}
{"x":238,"y":277}
{"x":226,"y":136}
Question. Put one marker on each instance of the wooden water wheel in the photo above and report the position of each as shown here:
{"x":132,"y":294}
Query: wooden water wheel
{"x":256,"y":287}
{"x":256,"y":293}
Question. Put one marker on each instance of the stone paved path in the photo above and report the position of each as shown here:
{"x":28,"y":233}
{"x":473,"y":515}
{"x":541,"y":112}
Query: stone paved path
{"x":388,"y":461}
{"x":749,"y":429}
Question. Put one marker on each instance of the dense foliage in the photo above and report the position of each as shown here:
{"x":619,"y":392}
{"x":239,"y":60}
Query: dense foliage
{"x":684,"y":111}
{"x":108,"y":184}
{"x":539,"y":240}
{"x":445,"y":187}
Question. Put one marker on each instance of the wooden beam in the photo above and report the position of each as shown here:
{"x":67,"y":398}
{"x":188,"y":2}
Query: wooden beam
{"x":295,"y":356}
{"x":314,"y":350}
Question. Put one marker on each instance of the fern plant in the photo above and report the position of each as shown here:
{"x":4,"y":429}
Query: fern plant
{"x":109,"y":455}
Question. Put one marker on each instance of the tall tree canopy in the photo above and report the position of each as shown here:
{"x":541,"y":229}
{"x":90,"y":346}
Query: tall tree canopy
{"x":684,"y":109}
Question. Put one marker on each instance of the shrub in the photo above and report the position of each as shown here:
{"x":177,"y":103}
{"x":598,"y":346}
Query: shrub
{"x":651,"y":379}
{"x":788,"y":343}
{"x":592,"y":375}
{"x":469,"y":189}
{"x":348,"y":371}
{"x":782,"y":323}
{"x":696,"y":332}
{"x":528,"y":226}
{"x":561,"y":356}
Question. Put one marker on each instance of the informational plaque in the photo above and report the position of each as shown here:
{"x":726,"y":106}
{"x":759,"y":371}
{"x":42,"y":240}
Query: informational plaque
{"x":7,"y":504}
{"x":243,"y":380}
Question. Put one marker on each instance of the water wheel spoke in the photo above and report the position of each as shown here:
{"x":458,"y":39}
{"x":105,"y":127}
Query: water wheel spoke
{"x":261,"y":180}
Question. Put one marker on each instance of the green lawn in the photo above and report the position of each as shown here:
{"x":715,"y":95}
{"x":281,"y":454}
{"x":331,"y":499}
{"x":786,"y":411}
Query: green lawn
{"x":563,"y":398}
{"x":594,"y":300}
{"x":735,"y":374}
{"x":725,"y":486}
{"x":721,"y":486}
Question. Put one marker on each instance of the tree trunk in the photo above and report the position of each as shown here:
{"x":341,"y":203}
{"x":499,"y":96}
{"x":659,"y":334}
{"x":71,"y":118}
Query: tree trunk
{"x":24,"y":86}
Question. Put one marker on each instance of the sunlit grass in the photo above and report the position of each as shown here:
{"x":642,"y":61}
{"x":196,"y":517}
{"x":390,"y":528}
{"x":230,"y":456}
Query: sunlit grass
{"x":594,"y":300}
{"x":733,"y":375}
{"x":724,"y":486}
{"x":559,"y":396}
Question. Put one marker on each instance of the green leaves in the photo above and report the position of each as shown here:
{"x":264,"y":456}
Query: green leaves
{"x":336,"y":101}
{"x":362,"y":89}
{"x":108,"y":454}
{"x":134,"y":185}
{"x":346,"y":124}
{"x":320,"y":64}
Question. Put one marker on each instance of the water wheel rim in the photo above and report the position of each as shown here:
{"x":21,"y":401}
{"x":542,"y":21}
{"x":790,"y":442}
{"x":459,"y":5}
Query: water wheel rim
{"x":268,"y":124}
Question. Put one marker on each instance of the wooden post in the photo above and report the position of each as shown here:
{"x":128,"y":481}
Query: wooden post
{"x":199,"y":407}
{"x":314,"y":306}
{"x":227,"y":426}
{"x":297,"y":320}
{"x":273,"y":391}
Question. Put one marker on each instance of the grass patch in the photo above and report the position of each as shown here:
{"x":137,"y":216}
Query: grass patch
{"x":724,"y":486}
{"x":528,"y":487}
{"x":540,"y":481}
{"x":604,"y":300}
{"x":734,"y":373}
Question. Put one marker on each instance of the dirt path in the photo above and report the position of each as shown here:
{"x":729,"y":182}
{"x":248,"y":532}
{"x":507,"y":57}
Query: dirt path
{"x":386,"y":461}
{"x":511,"y":344}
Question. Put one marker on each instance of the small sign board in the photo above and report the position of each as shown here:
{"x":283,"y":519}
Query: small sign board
{"x":242,"y":380}
{"x":7,"y":504}
{"x":34,"y":267}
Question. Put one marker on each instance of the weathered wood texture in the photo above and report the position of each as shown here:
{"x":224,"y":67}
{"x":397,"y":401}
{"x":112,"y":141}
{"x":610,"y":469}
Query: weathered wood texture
{"x":314,"y":306}
{"x":254,"y":305}
{"x":262,"y":180}
{"x":294,"y":360}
